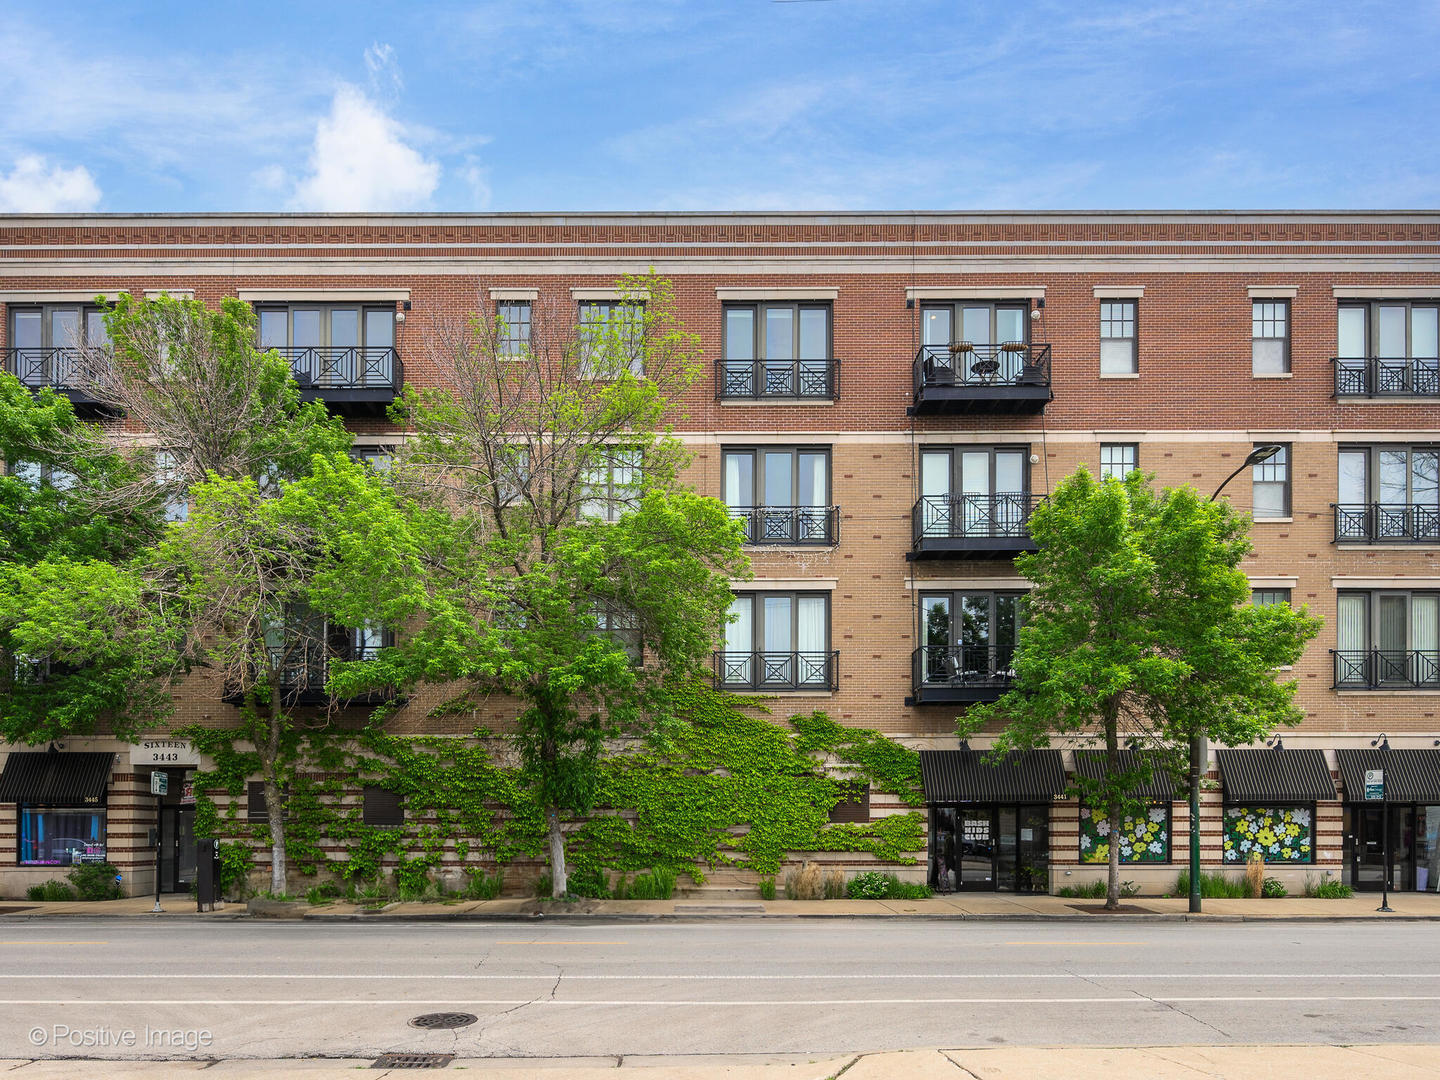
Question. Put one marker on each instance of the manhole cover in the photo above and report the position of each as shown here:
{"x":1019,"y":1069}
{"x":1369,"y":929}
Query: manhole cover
{"x":442,"y":1021}
{"x":412,"y":1061}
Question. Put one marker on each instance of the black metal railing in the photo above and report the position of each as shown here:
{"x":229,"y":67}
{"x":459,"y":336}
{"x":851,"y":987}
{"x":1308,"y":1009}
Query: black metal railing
{"x":59,"y":369}
{"x":349,"y":368}
{"x":1387,"y":669}
{"x":963,"y":666}
{"x":1387,"y":523}
{"x":777,"y":670}
{"x":1380,"y":376}
{"x":817,"y":380}
{"x":305,"y":671}
{"x":818,"y":525}
{"x":973,"y":517}
{"x":965,"y":364}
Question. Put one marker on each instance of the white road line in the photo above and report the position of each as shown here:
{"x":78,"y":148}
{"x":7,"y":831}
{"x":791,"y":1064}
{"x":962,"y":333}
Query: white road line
{"x":768,"y":1003}
{"x":549,"y":977}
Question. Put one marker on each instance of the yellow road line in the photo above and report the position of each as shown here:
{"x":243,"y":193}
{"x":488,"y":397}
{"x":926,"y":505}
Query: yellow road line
{"x":54,"y":943}
{"x":562,"y":943}
{"x":1067,"y":943}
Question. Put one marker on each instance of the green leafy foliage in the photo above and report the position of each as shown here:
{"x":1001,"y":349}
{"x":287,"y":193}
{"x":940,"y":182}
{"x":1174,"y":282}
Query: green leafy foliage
{"x":1273,"y":889}
{"x":50,"y":892}
{"x":96,"y":881}
{"x":874,"y":885}
{"x":1214,"y":886}
{"x":1327,"y":889}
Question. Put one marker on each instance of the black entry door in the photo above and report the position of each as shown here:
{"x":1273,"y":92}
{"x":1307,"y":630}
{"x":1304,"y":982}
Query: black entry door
{"x":976,"y":844}
{"x":177,"y":848}
{"x":1369,"y":850}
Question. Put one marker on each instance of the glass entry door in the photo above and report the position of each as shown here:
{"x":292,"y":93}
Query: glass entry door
{"x":177,"y":848}
{"x":976,"y":846}
{"x":1368,"y":871}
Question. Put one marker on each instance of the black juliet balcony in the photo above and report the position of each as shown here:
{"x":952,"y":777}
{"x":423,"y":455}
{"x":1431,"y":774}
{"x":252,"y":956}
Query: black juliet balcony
{"x":961,"y":674}
{"x":972,"y":526}
{"x":1387,"y":377}
{"x":58,"y":369}
{"x":352,"y":380}
{"x":800,"y":526}
{"x":966,"y":377}
{"x":796,"y":381}
{"x":1386,"y":669}
{"x":1387,"y":523}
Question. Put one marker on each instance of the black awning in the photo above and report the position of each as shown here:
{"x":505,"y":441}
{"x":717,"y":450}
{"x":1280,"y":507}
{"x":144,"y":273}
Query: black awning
{"x":1410,"y":775}
{"x":1091,"y":765}
{"x":1275,"y":776}
{"x":55,"y":779}
{"x":964,"y":776}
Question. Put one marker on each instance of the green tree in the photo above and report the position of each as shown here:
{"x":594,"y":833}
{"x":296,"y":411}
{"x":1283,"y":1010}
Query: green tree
{"x":1139,"y":631}
{"x":549,"y":553}
{"x":80,"y":645}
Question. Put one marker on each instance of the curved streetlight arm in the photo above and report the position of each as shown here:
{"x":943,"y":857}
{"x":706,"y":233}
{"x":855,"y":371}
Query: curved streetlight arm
{"x":1255,"y":457}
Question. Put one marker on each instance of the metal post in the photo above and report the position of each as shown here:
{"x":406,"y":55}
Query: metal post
{"x":1195,"y":768}
{"x":1385,"y":812}
{"x":159,"y":840}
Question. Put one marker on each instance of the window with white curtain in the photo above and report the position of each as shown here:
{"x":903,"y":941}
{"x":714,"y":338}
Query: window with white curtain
{"x":781,"y":492}
{"x":778,"y":640}
{"x":1117,"y":337}
{"x":1270,"y":486}
{"x":611,"y":485}
{"x":1270,"y":337}
{"x":1388,"y":638}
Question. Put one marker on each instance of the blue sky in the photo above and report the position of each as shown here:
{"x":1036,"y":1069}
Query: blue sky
{"x":718,"y":105}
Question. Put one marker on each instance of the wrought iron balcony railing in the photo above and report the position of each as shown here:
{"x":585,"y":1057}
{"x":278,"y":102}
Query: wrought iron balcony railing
{"x":817,"y":380}
{"x":58,"y":369}
{"x":777,"y":670}
{"x":349,"y":368}
{"x":1387,"y":669}
{"x":304,"y":673}
{"x":1004,"y":515}
{"x":950,"y":673}
{"x":1387,"y":523}
{"x":1380,"y":376}
{"x":1010,"y":363}
{"x":817,"y":525}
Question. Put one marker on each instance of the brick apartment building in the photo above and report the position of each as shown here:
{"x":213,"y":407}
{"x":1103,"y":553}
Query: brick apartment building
{"x":887,"y":395}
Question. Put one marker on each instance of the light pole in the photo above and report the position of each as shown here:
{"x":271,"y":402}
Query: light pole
{"x":1383,"y":745}
{"x":1197,"y":763}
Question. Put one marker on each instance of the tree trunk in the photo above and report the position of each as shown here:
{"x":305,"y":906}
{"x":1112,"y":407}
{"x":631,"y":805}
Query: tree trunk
{"x":1112,"y":887}
{"x":559,"y":883}
{"x":274,"y":797}
{"x":1112,"y":807}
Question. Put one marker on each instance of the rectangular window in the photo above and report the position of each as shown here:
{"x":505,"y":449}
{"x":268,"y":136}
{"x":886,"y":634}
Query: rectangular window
{"x":172,"y":481}
{"x":255,"y":801}
{"x":969,"y":637}
{"x":611,"y":486}
{"x":336,"y":346}
{"x":970,"y":342}
{"x":379,"y":458}
{"x":777,"y":350}
{"x":1388,"y":493}
{"x":61,"y":836}
{"x":854,"y":805}
{"x":612,"y":339}
{"x":782,"y":494}
{"x":621,"y":626}
{"x":1270,"y":337}
{"x":1118,"y":460}
{"x":1117,"y":337}
{"x":46,"y":342}
{"x":1270,"y":597}
{"x":778,"y":641}
{"x":1280,"y":834}
{"x":1144,"y":838}
{"x":381,"y":807}
{"x":974,"y":491}
{"x":1270,"y":486}
{"x":513,"y":328}
{"x":1387,"y":639}
{"x":1388,"y":347}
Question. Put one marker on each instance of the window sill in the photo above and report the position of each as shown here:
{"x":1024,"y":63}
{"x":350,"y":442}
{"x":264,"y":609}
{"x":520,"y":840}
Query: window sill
{"x":1119,"y":374}
{"x":1272,"y":375}
{"x":1397,"y":692}
{"x":1389,"y":546}
{"x":1274,"y":521}
{"x":780,"y":692}
{"x":732,"y":402}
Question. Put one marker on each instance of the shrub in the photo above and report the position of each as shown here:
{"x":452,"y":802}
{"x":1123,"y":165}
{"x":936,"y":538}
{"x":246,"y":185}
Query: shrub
{"x":658,"y":884}
{"x":1327,"y":890}
{"x":96,"y":881}
{"x":483,"y":886}
{"x":52,"y":890}
{"x":767,"y":888}
{"x":1254,"y":876}
{"x":324,"y":892}
{"x":543,"y":884}
{"x":873,"y":885}
{"x":1212,"y":886}
{"x":590,"y":881}
{"x":805,"y":883}
{"x":835,"y":884}
{"x":1095,"y":890}
{"x":1273,"y":888}
{"x":236,"y":860}
{"x":376,"y":892}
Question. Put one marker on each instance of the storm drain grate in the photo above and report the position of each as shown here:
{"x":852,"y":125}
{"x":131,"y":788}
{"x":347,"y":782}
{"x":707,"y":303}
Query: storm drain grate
{"x":442,"y":1021}
{"x":412,"y":1061}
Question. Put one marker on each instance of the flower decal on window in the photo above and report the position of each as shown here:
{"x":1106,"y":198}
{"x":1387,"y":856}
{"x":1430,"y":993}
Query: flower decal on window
{"x":1281,"y":834}
{"x":1142,"y":839}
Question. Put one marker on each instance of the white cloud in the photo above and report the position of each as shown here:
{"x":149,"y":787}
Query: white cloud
{"x":361,"y":161}
{"x":384,"y":69}
{"x":477,"y":179}
{"x":35,"y":186}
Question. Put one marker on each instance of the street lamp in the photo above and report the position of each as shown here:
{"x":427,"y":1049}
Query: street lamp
{"x":1383,"y":745}
{"x":1197,"y":755}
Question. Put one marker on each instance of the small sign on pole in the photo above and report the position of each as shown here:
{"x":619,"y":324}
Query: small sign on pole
{"x":159,"y":783}
{"x":1374,"y":784}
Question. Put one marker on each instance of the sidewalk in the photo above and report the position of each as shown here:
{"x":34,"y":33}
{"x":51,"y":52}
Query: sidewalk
{"x":955,"y":906}
{"x":1378,"y":1062}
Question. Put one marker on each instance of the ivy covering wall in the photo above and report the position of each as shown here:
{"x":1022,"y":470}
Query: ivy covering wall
{"x":727,"y":787}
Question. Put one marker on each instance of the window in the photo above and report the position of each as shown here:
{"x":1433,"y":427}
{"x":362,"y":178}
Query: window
{"x":333,"y":345}
{"x":1118,"y":460}
{"x":612,"y":338}
{"x":781,"y":493}
{"x":255,"y":801}
{"x":512,"y":478}
{"x":1388,"y":347}
{"x":1270,"y":486}
{"x":854,"y":804}
{"x":969,"y":637}
{"x":1117,"y":337}
{"x":1388,"y":493}
{"x":513,"y":338}
{"x":1269,"y":337}
{"x":1144,"y":837}
{"x":611,"y":487}
{"x":1270,"y":597}
{"x":1387,"y":639}
{"x":379,"y":458}
{"x":45,"y":342}
{"x":974,"y":491}
{"x":171,"y":480}
{"x":968,"y":341}
{"x":381,"y":807}
{"x":777,"y":350}
{"x":35,"y":475}
{"x":61,"y":836}
{"x":622,"y":627}
{"x":778,"y":641}
{"x":1281,"y":834}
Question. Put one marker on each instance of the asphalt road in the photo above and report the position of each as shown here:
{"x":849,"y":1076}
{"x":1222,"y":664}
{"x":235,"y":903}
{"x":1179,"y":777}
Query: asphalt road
{"x":76,"y":987}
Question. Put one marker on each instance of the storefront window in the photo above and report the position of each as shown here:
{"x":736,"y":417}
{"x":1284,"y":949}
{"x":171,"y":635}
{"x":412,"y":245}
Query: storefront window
{"x":1281,"y":834}
{"x":61,"y":836}
{"x":1144,"y":838}
{"x":1427,"y":848}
